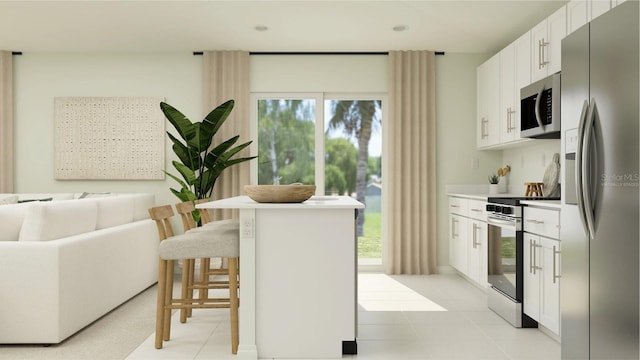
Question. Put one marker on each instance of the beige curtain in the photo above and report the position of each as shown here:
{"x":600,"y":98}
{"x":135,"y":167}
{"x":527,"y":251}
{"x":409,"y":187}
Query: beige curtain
{"x":225,"y":77}
{"x":6,"y":122}
{"x":411,"y":235}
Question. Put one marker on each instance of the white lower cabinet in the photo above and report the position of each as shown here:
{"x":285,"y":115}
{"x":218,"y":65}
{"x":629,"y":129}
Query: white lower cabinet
{"x":542,"y":280}
{"x":458,"y":242}
{"x":468,"y":238}
{"x":477,"y":255}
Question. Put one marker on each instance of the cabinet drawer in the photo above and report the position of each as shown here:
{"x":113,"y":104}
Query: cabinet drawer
{"x":459,"y":206}
{"x":478,"y":210}
{"x":545,"y":222}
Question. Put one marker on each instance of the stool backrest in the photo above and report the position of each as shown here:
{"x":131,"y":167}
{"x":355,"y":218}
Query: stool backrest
{"x":186,"y":209}
{"x":162,"y":216}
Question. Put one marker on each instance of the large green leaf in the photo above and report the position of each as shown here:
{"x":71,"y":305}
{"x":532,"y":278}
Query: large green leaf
{"x":217,"y":152}
{"x":187,"y":174}
{"x":180,"y":122}
{"x":219,"y":115}
{"x":186,"y":156}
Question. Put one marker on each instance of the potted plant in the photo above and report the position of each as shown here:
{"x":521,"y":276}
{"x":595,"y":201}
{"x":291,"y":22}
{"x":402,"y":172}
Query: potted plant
{"x":493,"y":183}
{"x":200,"y":162}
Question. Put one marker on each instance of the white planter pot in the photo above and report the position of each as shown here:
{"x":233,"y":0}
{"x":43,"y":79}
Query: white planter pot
{"x":494,"y":189}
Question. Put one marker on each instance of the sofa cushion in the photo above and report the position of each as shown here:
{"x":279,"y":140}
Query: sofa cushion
{"x":11,"y":218}
{"x":8,"y":199}
{"x":87,"y":195}
{"x":141,"y":205}
{"x":58,"y":219}
{"x":113,"y":211}
{"x":45,"y":196}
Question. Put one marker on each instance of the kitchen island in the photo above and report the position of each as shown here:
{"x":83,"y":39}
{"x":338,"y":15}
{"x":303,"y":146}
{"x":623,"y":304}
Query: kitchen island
{"x":298,"y":277}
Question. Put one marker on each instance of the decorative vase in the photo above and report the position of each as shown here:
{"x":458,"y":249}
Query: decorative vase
{"x":494,"y":189}
{"x":502,"y":185}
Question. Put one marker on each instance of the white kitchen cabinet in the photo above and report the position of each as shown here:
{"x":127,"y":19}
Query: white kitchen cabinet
{"x":546,"y":44}
{"x":598,"y":7}
{"x":531,"y":278}
{"x":541,"y":264}
{"x":477,"y":255}
{"x":488,"y":102}
{"x":577,"y":14}
{"x":458,"y":256}
{"x":468,"y":238}
{"x":515,"y":73}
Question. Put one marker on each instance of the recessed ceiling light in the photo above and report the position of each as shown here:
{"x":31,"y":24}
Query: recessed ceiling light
{"x":261,"y":28}
{"x":400,"y":28}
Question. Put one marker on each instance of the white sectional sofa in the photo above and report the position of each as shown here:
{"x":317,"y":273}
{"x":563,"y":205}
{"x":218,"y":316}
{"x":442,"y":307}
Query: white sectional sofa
{"x":66,"y":263}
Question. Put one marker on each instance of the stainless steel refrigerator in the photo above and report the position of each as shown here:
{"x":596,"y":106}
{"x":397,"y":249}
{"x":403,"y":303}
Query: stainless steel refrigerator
{"x":599,"y":288}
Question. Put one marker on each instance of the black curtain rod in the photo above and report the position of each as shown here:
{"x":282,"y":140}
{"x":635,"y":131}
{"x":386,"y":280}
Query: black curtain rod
{"x":315,"y":53}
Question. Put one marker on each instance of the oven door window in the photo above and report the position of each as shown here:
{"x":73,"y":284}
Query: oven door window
{"x":502,"y":259}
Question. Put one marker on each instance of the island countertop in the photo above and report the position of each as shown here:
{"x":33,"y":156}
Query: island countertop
{"x":315,"y":202}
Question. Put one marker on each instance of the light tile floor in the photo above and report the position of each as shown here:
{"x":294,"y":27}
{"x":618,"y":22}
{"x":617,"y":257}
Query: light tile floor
{"x":433,"y":317}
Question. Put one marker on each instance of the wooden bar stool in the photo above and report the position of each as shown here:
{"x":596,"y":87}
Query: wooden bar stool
{"x":187,"y":247}
{"x":186,"y":210}
{"x":533,"y":189}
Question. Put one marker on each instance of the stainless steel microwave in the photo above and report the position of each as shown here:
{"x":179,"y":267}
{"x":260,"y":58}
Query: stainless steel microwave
{"x":540,"y":109}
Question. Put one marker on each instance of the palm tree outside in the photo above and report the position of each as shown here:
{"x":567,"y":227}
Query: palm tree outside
{"x":357,"y":119}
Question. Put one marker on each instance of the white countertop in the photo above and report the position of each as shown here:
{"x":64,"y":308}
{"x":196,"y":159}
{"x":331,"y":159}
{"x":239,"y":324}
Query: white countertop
{"x":315,"y":202}
{"x":551,"y":204}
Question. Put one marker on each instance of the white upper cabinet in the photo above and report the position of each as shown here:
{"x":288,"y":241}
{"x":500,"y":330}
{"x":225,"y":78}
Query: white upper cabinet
{"x":546,"y":45}
{"x":599,"y":7}
{"x":577,"y":14}
{"x":488,"y":102}
{"x":515,"y":73}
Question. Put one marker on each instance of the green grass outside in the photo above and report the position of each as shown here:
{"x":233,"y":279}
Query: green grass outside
{"x":370,"y":244}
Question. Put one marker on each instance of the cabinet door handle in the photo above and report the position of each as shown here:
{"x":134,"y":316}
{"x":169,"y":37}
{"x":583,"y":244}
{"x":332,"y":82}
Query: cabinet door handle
{"x":455,"y":206}
{"x":541,"y":58}
{"x":555,"y":276}
{"x":453,"y":228}
{"x":531,"y":264}
{"x":510,"y":123}
{"x":484,"y":125}
{"x":476,"y":210}
{"x":475,"y":237}
{"x":535,"y":261}
{"x":535,"y":221}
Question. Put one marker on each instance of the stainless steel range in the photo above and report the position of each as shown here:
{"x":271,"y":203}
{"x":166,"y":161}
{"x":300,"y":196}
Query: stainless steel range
{"x":505,"y":250}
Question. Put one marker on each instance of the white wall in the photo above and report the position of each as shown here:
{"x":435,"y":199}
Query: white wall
{"x":39,"y":77}
{"x":528,"y":163}
{"x":318,"y":73}
{"x":456,"y":136}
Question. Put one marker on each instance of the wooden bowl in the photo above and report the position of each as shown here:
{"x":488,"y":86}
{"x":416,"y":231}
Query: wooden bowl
{"x":279,"y":193}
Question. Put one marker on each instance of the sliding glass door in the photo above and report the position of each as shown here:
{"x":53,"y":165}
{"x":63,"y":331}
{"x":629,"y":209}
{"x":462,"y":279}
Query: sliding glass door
{"x":331,"y":140}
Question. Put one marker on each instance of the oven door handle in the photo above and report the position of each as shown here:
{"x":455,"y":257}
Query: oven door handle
{"x":499,"y":222}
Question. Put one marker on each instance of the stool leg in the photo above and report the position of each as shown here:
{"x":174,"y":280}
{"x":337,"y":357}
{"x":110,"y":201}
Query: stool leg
{"x":168,"y":299}
{"x":233,"y":303}
{"x":162,"y":280}
{"x":186,"y":287}
{"x":192,"y":269}
{"x":204,"y":277}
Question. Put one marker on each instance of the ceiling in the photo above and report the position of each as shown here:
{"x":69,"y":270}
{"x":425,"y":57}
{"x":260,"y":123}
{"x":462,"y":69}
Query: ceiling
{"x":293,"y":26}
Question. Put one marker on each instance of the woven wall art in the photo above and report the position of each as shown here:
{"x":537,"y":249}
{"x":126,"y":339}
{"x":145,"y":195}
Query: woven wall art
{"x":109,"y":138}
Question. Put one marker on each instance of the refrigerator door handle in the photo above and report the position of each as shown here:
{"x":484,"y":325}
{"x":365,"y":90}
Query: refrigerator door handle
{"x":537,"y":108}
{"x":587,"y":166}
{"x":579,"y":166}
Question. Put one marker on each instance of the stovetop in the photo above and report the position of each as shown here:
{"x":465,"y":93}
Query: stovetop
{"x":515,"y":201}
